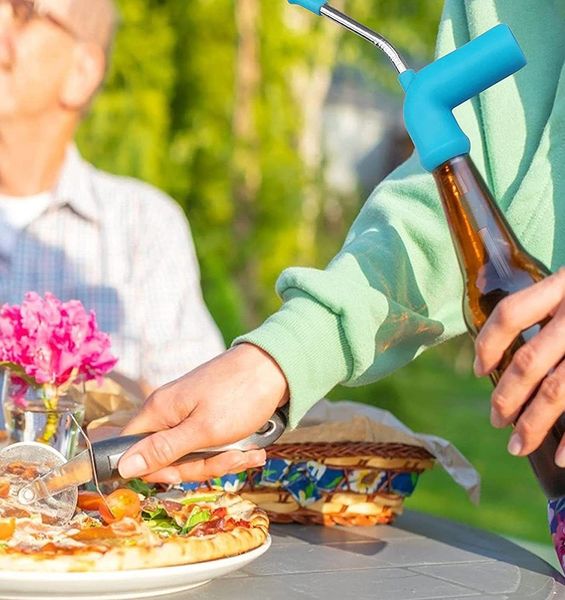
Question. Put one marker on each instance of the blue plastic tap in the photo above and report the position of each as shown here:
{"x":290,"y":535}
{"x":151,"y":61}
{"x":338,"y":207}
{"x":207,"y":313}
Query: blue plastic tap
{"x":433,"y":92}
{"x":311,"y":5}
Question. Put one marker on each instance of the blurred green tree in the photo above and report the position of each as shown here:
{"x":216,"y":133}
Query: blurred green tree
{"x":219,"y":103}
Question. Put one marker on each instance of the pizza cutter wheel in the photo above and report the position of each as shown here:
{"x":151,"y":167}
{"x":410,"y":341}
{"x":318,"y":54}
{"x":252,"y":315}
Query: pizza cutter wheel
{"x":54,"y":509}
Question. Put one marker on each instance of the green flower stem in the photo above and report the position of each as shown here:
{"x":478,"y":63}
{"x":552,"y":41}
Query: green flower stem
{"x":50,"y":401}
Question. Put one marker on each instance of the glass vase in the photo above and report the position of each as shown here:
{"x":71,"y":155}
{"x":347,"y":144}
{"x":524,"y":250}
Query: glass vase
{"x":37,"y":414}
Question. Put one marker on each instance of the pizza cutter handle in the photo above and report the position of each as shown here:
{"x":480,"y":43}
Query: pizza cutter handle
{"x":107,"y":453}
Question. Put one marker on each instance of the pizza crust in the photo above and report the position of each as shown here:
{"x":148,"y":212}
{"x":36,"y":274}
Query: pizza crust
{"x":146,"y":550}
{"x":171,"y":552}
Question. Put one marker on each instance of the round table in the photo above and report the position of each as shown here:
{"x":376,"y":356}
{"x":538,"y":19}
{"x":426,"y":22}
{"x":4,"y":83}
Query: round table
{"x":418,"y":557}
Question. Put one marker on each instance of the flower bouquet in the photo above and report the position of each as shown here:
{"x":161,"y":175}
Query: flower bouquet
{"x":49,"y":349}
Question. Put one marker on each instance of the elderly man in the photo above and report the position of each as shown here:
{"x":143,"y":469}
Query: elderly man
{"x":118,"y":245}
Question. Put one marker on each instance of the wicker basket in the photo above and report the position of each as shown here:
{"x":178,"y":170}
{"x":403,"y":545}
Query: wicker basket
{"x":337,"y":483}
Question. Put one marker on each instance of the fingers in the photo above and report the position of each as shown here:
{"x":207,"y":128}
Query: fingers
{"x":560,"y":454}
{"x":542,"y":413}
{"x":220,"y":402}
{"x":202,"y":470}
{"x":535,"y":369}
{"x":163,"y":448}
{"x":529,"y":366}
{"x":513,"y":315}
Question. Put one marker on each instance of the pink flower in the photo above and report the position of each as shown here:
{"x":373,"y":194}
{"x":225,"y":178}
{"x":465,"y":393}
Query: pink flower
{"x":53,"y":341}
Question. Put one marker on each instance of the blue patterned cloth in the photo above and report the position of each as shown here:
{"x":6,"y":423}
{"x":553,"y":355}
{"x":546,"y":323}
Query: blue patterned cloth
{"x":307,"y":481}
{"x":556,"y":518}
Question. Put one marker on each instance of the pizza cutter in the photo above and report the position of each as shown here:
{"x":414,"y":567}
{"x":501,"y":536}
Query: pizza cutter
{"x":58,"y":508}
{"x":99,"y":463}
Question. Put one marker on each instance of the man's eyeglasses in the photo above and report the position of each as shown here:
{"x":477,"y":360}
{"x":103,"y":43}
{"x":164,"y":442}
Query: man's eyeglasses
{"x":23,"y":11}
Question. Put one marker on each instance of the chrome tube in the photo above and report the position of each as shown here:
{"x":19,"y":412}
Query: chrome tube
{"x":371,"y":36}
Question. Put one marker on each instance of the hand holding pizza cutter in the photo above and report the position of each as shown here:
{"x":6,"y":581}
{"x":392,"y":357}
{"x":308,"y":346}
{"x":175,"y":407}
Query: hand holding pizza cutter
{"x":56,"y":491}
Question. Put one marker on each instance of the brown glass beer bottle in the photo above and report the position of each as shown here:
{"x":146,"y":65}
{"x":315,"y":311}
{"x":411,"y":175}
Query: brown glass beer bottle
{"x":494,"y":265}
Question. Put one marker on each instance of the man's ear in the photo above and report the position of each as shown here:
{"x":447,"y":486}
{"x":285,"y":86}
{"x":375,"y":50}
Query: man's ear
{"x":86,"y":73}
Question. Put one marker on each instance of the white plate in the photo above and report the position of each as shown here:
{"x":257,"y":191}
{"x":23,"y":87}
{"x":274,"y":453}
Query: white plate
{"x":119,"y":585}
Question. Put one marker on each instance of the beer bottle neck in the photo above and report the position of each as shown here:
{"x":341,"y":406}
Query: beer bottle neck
{"x":479,"y":230}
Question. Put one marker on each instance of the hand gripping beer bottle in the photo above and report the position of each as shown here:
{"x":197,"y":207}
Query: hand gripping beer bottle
{"x":492,"y":261}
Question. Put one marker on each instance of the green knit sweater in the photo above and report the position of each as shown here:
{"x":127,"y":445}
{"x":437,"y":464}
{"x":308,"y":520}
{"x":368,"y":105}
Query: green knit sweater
{"x":395,"y":287}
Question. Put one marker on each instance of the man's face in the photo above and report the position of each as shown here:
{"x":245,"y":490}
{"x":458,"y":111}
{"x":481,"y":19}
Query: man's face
{"x":35,"y":62}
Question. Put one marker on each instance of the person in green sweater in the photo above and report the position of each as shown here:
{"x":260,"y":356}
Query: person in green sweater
{"x":394,"y":289}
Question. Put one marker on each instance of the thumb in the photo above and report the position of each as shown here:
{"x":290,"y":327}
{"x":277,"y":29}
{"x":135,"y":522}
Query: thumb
{"x":157,"y":451}
{"x":163,"y":448}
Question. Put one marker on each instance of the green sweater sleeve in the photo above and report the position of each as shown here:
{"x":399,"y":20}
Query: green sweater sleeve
{"x":380,"y":301}
{"x":395,"y":288}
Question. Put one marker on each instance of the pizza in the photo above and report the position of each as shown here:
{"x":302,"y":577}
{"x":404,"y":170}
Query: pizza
{"x":126,"y":529}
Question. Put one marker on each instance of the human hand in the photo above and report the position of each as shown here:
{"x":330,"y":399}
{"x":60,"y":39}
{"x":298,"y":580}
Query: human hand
{"x":220,"y":402}
{"x":536,"y":368}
